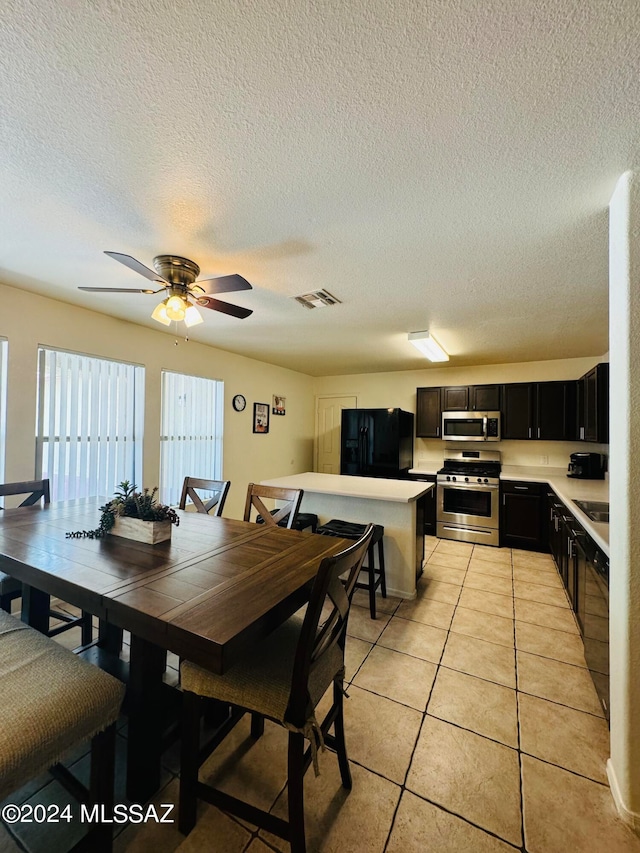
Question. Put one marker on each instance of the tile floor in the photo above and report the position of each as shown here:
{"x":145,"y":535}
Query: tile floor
{"x":472,"y":727}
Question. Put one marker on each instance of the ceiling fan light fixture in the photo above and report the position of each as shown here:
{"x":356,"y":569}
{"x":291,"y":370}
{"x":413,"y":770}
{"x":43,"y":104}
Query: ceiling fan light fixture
{"x":160,"y":314}
{"x":428,"y":346}
{"x":176,"y":308}
{"x":192,"y":316}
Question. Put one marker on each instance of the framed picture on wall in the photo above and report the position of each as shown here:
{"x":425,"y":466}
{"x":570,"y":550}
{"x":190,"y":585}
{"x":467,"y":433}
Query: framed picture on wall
{"x":278,"y":407}
{"x":261,"y":417}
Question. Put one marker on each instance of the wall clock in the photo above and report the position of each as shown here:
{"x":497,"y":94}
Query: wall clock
{"x":239,"y":403}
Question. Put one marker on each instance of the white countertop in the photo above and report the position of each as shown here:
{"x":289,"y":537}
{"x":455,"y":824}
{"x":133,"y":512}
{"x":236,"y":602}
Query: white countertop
{"x":372,"y":488}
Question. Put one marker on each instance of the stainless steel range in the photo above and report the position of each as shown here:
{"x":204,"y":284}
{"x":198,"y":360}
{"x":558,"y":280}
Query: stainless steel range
{"x":468,"y":501}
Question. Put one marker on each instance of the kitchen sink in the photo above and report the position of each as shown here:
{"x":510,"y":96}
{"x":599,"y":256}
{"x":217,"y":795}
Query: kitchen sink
{"x":596,"y":510}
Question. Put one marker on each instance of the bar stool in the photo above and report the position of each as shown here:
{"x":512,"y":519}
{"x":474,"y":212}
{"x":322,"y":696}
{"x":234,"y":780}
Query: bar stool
{"x":300,"y":522}
{"x":377,"y":578}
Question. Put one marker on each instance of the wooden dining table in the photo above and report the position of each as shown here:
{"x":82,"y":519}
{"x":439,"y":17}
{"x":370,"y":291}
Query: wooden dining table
{"x":215,"y":588}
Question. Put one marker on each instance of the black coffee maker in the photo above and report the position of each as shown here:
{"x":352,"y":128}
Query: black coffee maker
{"x":586,"y":466}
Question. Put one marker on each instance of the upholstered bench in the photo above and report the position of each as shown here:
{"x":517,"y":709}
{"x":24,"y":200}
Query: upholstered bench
{"x":51,"y":701}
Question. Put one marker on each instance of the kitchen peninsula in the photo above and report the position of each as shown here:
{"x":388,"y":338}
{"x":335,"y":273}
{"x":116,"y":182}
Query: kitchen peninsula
{"x":395,"y":504}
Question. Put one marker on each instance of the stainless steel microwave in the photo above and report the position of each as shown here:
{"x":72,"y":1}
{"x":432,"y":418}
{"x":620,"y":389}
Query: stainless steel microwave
{"x":471,"y":426}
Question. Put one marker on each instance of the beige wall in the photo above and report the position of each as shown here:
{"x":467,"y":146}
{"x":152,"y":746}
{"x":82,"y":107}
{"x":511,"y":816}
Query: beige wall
{"x":399,"y":390}
{"x":624,"y":605}
{"x":286,"y":449}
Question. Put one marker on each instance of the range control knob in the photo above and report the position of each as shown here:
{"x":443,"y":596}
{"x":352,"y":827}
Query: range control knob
{"x":448,"y":477}
{"x":485,"y":479}
{"x":466,"y":479}
{"x":480,"y":479}
{"x":454,"y":479}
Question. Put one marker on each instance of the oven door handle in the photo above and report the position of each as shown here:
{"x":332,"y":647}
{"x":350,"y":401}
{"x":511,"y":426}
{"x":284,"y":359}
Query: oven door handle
{"x":477,"y":487}
{"x":485,"y":428}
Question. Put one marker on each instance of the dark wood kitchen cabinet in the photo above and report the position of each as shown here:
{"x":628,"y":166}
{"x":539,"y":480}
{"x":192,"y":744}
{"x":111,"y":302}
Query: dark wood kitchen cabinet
{"x":428,"y":503}
{"x":523,"y":516}
{"x":484,"y":398}
{"x":563,"y":410}
{"x":584,"y":569}
{"x":555,"y":508}
{"x":555,"y":411}
{"x":593,"y":413}
{"x":471,"y":398}
{"x":518,"y":401}
{"x":428,"y":413}
{"x":568,"y":536}
{"x":455,"y":398}
{"x":539,"y":410}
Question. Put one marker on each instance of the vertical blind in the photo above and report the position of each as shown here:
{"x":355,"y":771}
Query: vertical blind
{"x":191,"y":432}
{"x":89,"y":424}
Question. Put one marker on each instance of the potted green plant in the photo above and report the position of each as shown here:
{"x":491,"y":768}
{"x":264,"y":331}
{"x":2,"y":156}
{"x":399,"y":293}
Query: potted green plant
{"x":133,"y":515}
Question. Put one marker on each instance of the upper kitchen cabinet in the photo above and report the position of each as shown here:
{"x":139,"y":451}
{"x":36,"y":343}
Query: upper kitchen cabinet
{"x":471,"y":398}
{"x":455,"y":398}
{"x":539,"y":410}
{"x":518,"y":402}
{"x":555,"y":411}
{"x":593,"y":408}
{"x":428,"y":413}
{"x":484,"y":398}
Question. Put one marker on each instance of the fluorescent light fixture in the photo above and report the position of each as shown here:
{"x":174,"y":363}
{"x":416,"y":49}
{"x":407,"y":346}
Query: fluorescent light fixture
{"x":428,"y":346}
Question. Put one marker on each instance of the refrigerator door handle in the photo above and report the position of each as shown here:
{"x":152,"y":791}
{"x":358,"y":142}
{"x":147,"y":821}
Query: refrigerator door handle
{"x":365,"y":449}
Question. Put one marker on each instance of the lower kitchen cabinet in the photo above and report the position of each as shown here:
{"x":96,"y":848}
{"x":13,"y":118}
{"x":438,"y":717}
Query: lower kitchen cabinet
{"x":523,"y":516}
{"x":584,"y":569}
{"x":555,"y":508}
{"x":428,"y":503}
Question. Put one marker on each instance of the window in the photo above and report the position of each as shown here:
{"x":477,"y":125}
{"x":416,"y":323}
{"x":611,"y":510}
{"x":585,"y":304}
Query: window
{"x":89,"y":424}
{"x":191,"y":432}
{"x":4,"y":345}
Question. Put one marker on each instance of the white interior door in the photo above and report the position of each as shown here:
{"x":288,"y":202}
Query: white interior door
{"x":328,"y":419}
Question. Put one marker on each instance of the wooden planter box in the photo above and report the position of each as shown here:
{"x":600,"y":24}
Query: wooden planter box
{"x":150,"y":532}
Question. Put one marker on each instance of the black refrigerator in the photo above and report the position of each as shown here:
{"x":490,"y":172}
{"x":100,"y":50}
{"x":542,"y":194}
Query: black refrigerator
{"x":376,"y":443}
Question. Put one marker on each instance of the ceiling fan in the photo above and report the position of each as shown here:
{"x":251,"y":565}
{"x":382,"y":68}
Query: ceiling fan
{"x":177,"y":277}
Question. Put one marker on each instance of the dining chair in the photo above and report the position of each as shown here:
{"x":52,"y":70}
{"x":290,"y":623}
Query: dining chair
{"x":11,"y":588}
{"x":284,"y":516}
{"x":215,"y":501}
{"x":282,"y":679}
{"x":54,"y":702}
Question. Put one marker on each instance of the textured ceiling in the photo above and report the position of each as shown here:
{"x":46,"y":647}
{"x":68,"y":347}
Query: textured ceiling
{"x":443,"y":165}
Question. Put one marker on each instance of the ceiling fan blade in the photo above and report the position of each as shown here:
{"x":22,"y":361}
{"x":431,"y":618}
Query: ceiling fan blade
{"x":224,"y":307}
{"x":223,"y":284}
{"x":118,"y":290}
{"x":136,"y":266}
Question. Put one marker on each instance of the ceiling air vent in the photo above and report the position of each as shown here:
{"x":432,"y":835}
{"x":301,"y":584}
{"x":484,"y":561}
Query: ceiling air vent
{"x":317,"y":299}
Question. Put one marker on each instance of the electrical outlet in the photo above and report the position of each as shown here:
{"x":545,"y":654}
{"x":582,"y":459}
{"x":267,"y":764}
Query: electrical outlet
{"x":544,"y":460}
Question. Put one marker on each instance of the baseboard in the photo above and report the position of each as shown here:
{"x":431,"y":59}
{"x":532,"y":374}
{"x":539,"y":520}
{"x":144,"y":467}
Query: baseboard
{"x":400,"y":593}
{"x":632,"y":819}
